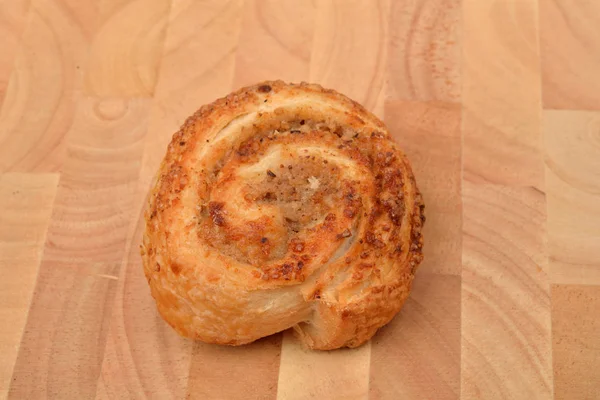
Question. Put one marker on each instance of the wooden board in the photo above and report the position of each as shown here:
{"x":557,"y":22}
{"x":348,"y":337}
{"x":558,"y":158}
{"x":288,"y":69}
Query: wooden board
{"x":496,"y":102}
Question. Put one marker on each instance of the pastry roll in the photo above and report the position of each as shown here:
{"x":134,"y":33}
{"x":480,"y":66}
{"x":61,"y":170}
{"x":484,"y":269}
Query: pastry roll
{"x":282,"y":206}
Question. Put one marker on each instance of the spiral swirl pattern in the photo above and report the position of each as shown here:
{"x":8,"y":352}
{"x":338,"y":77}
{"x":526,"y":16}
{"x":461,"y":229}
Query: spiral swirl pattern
{"x":282,"y":206}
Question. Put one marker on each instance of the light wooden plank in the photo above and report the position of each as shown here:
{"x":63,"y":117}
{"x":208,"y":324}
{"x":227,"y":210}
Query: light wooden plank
{"x":576,"y":341}
{"x":424,"y":50}
{"x":573,"y":188}
{"x":570,"y":47}
{"x":126,"y":51}
{"x":429,"y":134}
{"x":308,"y":374}
{"x":63,"y":344}
{"x":277,"y":40}
{"x":506,"y":338}
{"x":26,"y":204}
{"x":13,"y":17}
{"x":417,"y":356}
{"x":501,"y":93}
{"x":38,"y":108}
{"x":349,"y":52}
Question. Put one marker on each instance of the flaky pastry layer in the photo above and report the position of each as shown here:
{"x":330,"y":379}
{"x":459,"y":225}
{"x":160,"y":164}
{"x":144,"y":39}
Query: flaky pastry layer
{"x":282,"y":206}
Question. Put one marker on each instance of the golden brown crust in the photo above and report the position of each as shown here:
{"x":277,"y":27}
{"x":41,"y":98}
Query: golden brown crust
{"x":282,"y":206}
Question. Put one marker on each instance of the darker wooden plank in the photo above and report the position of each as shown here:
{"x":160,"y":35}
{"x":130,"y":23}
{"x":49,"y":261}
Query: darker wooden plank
{"x":222,"y":372}
{"x":417,"y":355}
{"x":26,"y":202}
{"x":576,"y":341}
{"x":63,"y":342}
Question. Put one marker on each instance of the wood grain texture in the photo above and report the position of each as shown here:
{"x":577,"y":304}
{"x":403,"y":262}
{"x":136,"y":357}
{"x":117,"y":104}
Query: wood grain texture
{"x":127,"y":49}
{"x":570,"y":49}
{"x":494,"y":101}
{"x":63,"y":343}
{"x":277,"y":41}
{"x":349,"y":50}
{"x":38,"y":108}
{"x":572,"y":145}
{"x":424,"y":50}
{"x":501,"y":93}
{"x":417,"y":356}
{"x":26,"y":204}
{"x":506,"y":349}
{"x":306,"y":374}
{"x":143,"y":356}
{"x":13,"y":17}
{"x":575,"y":341}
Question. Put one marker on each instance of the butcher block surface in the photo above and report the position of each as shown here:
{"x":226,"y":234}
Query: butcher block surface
{"x":495,"y":102}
